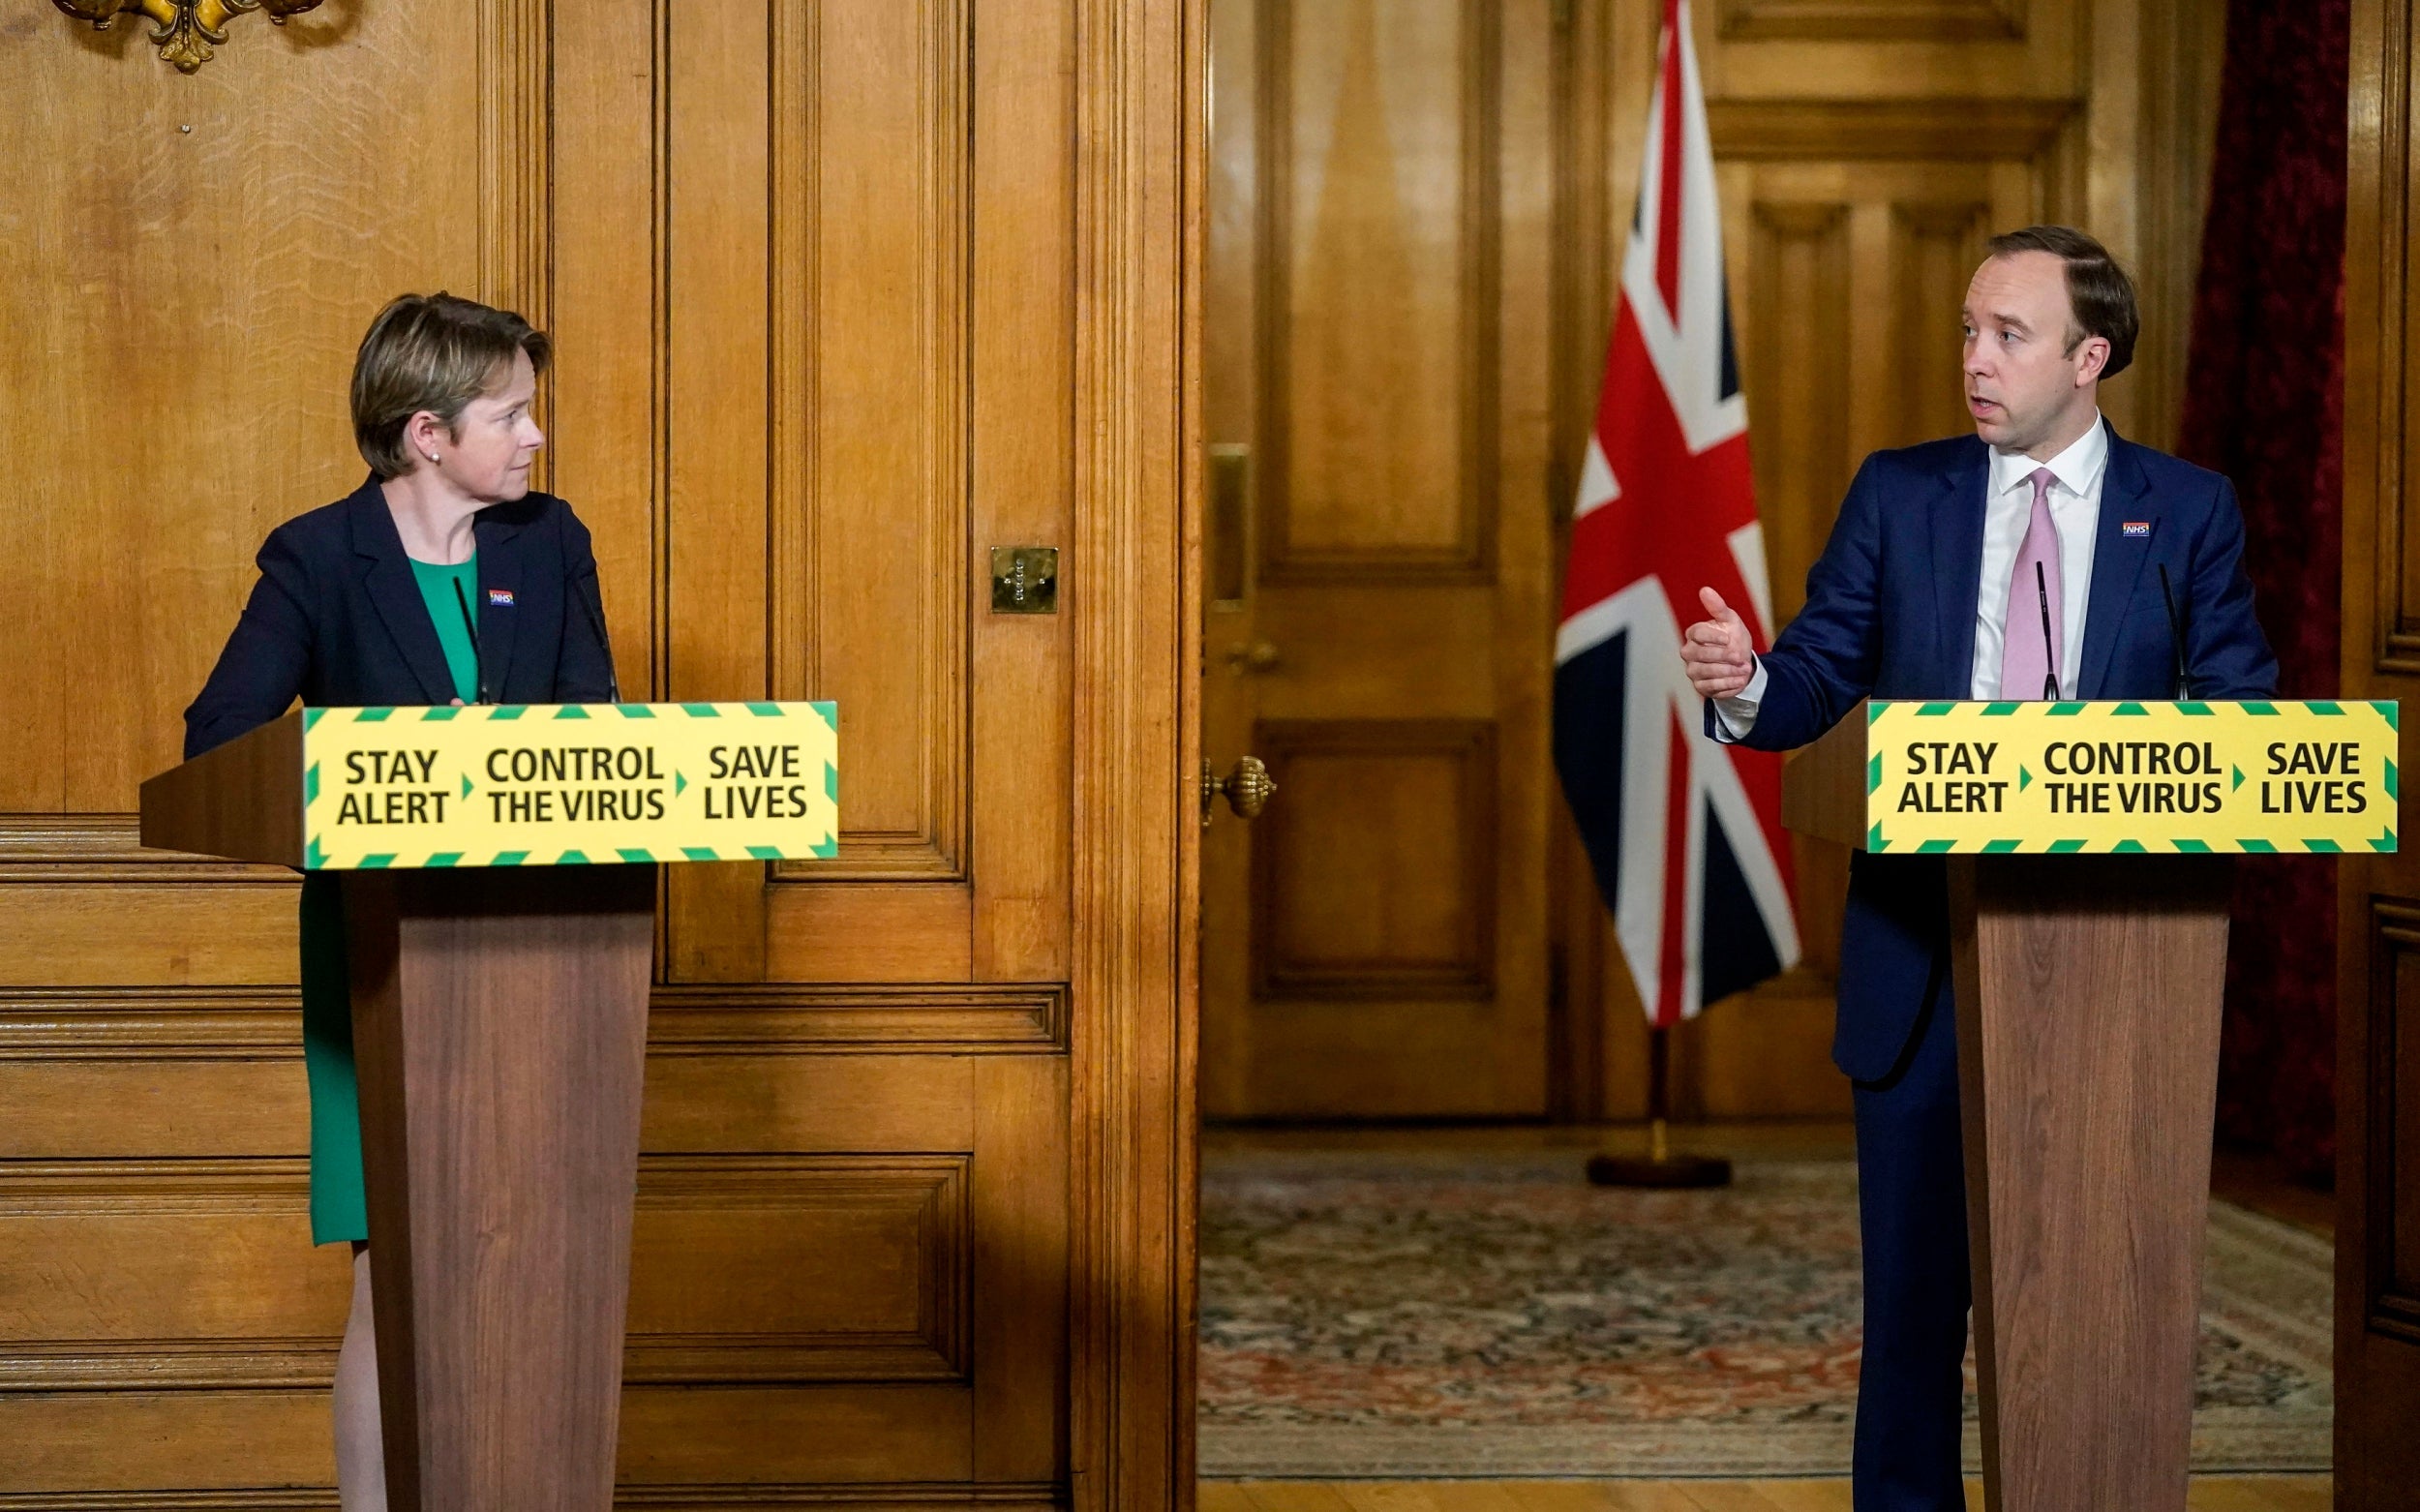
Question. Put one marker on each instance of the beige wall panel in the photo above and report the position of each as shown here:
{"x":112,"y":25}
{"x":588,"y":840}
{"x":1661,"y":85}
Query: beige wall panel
{"x":805,"y":1435}
{"x":94,"y":934}
{"x":826,"y":1103}
{"x":871,"y":367}
{"x":154,"y":434}
{"x":132,"y":1441}
{"x":1022,"y":489}
{"x":1380,"y":142}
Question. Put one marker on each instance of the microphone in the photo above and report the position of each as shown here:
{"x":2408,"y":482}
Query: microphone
{"x":594,"y":609}
{"x":2042,"y":595}
{"x":2176,"y":634}
{"x":470,"y":627}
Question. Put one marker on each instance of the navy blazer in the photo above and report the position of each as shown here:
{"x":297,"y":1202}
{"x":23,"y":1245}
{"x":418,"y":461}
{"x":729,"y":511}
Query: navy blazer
{"x":337,"y":619}
{"x":1891,"y":613}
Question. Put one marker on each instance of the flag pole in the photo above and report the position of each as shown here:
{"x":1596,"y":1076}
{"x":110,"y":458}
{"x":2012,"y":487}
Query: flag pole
{"x":1660,"y":1167}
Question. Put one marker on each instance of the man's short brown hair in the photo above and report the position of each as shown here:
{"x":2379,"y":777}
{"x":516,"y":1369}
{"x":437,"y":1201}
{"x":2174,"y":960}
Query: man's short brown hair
{"x":433,"y":352}
{"x":2098,"y":289}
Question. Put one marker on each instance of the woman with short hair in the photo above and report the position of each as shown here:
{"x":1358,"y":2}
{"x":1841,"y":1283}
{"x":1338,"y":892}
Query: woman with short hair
{"x":442,"y":579}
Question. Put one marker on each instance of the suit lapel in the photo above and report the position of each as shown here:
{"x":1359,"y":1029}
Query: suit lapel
{"x":2117,"y":562}
{"x":395,"y":593}
{"x":1957,"y":541}
{"x":500,"y":599}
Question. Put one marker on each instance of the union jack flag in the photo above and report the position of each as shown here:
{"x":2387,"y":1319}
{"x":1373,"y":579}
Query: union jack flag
{"x":1684,"y":833}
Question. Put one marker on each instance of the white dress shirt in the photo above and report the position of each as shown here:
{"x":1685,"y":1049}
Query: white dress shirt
{"x":2007,"y":508}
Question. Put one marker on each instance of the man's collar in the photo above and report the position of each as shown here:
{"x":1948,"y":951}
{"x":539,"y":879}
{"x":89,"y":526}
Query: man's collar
{"x":2078,"y":467}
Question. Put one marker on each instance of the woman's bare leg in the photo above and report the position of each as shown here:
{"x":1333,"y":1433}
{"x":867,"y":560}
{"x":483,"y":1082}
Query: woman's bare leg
{"x":360,"y":1456}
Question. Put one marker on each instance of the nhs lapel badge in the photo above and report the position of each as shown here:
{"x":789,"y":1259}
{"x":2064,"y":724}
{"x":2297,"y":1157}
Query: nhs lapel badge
{"x":2137,"y":529}
{"x":502,"y":597}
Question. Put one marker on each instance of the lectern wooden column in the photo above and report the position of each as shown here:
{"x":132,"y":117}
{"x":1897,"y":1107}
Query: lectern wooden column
{"x":2088,"y":935}
{"x":500,"y":985}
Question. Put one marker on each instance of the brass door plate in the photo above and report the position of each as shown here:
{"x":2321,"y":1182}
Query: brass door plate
{"x":1025,"y":580}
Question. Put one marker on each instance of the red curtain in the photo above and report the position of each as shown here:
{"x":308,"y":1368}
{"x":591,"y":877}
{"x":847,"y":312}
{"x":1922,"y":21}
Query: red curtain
{"x":2264,"y":405}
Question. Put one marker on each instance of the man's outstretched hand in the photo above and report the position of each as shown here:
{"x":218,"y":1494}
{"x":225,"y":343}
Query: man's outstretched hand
{"x":1717,"y":653}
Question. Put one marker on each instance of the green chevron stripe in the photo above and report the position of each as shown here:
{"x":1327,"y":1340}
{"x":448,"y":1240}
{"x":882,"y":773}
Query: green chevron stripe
{"x":2000,"y":847}
{"x":2391,"y":783}
{"x":2384,"y":842}
{"x":828,"y":711}
{"x":509,"y":858}
{"x":2239,"y":780}
{"x":444,"y":858}
{"x":2251,"y":707}
{"x":1936,"y":847}
{"x":310,"y":717}
{"x":765,"y":852}
{"x":701,"y":852}
{"x":378,"y":863}
{"x":371,"y":716}
{"x":315,"y":857}
{"x":831,"y":780}
{"x":2323,"y":847}
{"x":571,"y":711}
{"x":766,"y":711}
{"x":1873,"y":772}
{"x":2194,"y":847}
{"x":632,"y":853}
{"x":2130,"y":708}
{"x":1874,"y":840}
{"x":827,"y":847}
{"x":439,"y":713}
{"x":680,"y":783}
{"x":2389,"y":712}
{"x":701,"y":711}
{"x":635,"y":710}
{"x":503,"y":712}
{"x":2195,"y":708}
{"x":2256,"y":847}
{"x":1993,"y":711}
{"x":2066,"y":847}
{"x":2127,"y":848}
{"x":572,"y":858}
{"x":465,"y":785}
{"x":2062,"y":710}
{"x":2323,"y":706}
{"x":310,"y":784}
{"x":1932,"y":710}
{"x":2024,"y":778}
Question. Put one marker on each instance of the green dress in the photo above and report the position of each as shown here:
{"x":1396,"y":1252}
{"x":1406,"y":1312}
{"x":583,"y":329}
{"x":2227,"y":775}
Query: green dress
{"x":338,"y":1210}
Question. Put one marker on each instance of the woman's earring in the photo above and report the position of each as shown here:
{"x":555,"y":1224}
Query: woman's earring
{"x":432,"y":456}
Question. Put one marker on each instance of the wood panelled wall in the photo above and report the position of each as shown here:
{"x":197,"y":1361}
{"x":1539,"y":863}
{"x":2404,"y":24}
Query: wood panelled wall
{"x":2378,"y":1076}
{"x":1865,"y":148}
{"x":844,"y":292}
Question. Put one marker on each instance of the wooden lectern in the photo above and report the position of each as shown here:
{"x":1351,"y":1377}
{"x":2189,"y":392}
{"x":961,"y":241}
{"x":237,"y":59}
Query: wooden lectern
{"x":2088,"y":992}
{"x":499,"y":1026}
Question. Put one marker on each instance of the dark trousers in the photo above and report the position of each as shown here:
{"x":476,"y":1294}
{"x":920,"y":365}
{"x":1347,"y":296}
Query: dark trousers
{"x":1912,"y":1214}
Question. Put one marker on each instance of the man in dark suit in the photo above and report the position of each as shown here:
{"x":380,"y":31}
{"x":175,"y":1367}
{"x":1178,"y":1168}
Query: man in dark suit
{"x":2025,"y":561}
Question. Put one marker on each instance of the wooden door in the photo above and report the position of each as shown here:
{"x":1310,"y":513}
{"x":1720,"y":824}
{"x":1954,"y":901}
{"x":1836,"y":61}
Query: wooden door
{"x":2378,"y":1026}
{"x":845,"y":294}
{"x":1378,"y":613}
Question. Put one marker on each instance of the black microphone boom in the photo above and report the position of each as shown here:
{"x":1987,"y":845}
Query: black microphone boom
{"x":2176,"y":634}
{"x":594,"y":609}
{"x":470,"y":627}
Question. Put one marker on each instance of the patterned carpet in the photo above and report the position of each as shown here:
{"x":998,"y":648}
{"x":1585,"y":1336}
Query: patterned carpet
{"x":1409,"y":1314}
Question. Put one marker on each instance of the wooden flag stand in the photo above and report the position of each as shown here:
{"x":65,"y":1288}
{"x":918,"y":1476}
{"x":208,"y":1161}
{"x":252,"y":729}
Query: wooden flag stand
{"x":1659,"y":1167}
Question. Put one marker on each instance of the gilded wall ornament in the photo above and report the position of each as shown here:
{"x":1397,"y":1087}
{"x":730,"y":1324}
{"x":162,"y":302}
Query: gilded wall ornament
{"x":184,"y":29}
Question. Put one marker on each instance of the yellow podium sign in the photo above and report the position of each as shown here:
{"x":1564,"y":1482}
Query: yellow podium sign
{"x":556,"y":784}
{"x":1997,"y":778}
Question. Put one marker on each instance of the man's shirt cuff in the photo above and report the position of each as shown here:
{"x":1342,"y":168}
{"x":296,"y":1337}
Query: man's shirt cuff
{"x":1736,"y":716}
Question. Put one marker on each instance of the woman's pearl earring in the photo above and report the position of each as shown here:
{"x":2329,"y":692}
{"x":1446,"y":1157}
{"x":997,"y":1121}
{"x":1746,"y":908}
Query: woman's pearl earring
{"x":432,"y":456}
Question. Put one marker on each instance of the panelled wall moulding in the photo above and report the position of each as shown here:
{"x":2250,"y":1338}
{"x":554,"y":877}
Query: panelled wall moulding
{"x":1872,"y":20}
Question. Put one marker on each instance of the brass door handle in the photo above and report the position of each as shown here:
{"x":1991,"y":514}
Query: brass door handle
{"x":1247,"y":788}
{"x":1259,"y":656}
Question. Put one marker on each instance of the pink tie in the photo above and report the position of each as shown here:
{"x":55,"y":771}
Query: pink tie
{"x":2027,"y":654}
